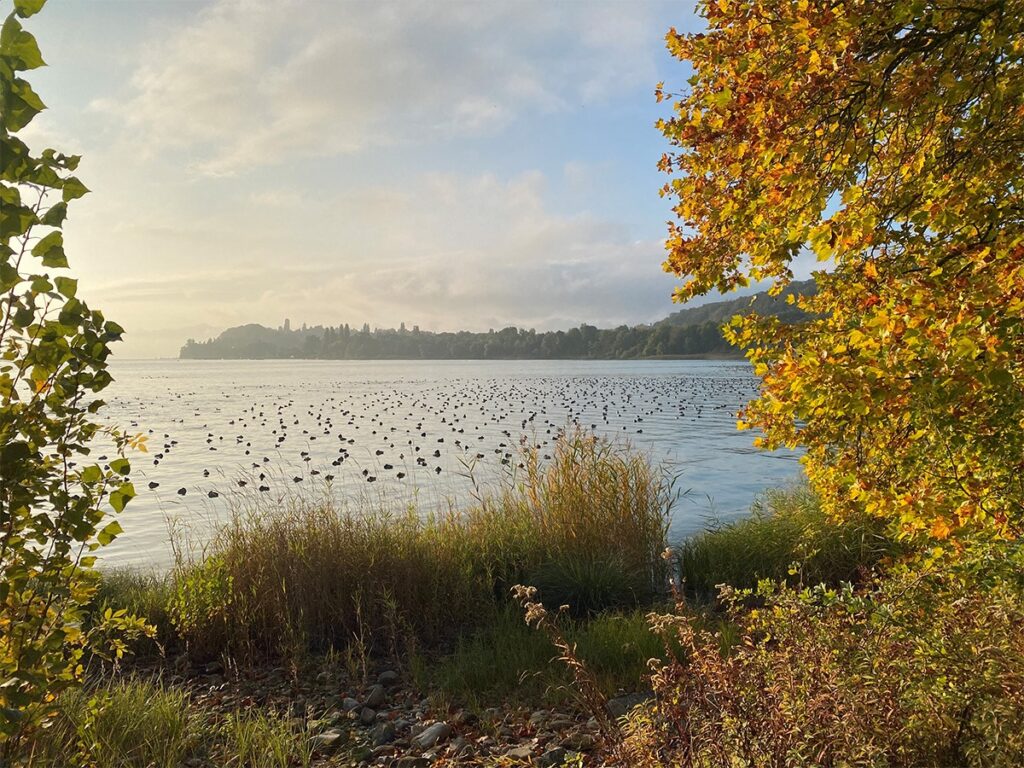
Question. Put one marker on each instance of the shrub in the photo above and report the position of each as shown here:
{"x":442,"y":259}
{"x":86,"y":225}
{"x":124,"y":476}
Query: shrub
{"x":507,"y":661}
{"x":919,"y":669}
{"x":787,"y":531}
{"x":54,"y":502}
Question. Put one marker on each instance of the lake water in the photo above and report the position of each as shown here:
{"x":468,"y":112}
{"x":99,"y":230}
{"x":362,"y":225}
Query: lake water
{"x":225,"y":433}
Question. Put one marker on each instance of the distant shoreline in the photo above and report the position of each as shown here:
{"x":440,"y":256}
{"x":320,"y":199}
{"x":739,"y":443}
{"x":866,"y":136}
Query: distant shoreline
{"x":647,"y":358}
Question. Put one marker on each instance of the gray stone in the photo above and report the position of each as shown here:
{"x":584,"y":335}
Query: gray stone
{"x":538,"y":717}
{"x":348,"y":704}
{"x":387,"y":678}
{"x":383,"y":734}
{"x":553,"y":757}
{"x":520,"y":753}
{"x":581,"y":742}
{"x":367,"y":716}
{"x":411,"y":762}
{"x":327,"y":741}
{"x":621,"y":706}
{"x":375,"y":697}
{"x":432,"y":734}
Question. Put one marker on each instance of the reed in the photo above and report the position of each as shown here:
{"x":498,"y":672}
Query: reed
{"x":587,"y":525}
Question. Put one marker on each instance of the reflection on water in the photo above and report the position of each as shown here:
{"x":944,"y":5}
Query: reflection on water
{"x":221,"y":432}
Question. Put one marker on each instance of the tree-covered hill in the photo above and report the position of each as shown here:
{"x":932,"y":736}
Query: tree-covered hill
{"x":689,"y":332}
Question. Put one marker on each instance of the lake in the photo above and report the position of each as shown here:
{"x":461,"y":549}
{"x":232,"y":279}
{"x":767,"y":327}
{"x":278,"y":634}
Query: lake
{"x":224,"y":434}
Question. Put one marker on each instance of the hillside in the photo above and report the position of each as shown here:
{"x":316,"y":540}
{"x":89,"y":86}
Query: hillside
{"x":690,"y":332}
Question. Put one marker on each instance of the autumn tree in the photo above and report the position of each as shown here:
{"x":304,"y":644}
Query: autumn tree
{"x":55,"y":501}
{"x":886,"y":139}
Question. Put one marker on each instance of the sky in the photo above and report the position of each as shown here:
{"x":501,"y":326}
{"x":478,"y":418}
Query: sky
{"x":443,"y":164}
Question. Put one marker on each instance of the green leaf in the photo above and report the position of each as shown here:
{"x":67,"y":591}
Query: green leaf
{"x":19,"y":112}
{"x":51,"y":250}
{"x":121,"y":466}
{"x":26,"y":8}
{"x":92,"y":474}
{"x":19,"y":46}
{"x":73,"y":189}
{"x":109,"y":533}
{"x":122,"y":496}
{"x":67,"y":286}
{"x":56,"y":215}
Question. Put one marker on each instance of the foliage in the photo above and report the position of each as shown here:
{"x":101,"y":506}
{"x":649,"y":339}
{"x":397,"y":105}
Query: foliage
{"x":591,"y":522}
{"x":344,"y":343}
{"x":787,"y":537}
{"x":53,"y":353}
{"x":692,"y":331}
{"x":922,"y":668}
{"x":888,"y":139}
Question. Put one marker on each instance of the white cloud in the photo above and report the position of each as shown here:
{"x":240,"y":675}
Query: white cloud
{"x":246,"y":83}
{"x":468,"y":252}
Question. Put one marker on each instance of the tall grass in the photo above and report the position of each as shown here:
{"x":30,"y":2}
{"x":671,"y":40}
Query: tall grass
{"x":787,"y":536}
{"x":588,"y":526}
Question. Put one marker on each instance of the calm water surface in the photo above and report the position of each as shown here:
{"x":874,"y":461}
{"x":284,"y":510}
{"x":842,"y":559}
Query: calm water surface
{"x":229,"y":433}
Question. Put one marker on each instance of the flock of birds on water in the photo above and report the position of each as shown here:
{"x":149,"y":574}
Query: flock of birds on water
{"x":210,"y":439}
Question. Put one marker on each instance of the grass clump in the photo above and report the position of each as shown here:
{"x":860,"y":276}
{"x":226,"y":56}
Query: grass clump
{"x":507,"y":661}
{"x":787,"y":536}
{"x":588,"y":525}
{"x":137,"y":723}
{"x":124,"y":723}
{"x":262,"y":740}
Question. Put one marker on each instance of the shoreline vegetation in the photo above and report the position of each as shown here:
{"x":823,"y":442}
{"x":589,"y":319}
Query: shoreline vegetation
{"x":691,"y":333}
{"x":319,"y":637}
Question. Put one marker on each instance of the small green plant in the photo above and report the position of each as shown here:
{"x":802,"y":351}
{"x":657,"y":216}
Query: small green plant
{"x":126,"y":723}
{"x":260,"y":740}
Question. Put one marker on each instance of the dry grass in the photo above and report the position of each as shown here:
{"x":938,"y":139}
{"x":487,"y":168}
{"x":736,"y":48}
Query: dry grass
{"x":588,"y":526}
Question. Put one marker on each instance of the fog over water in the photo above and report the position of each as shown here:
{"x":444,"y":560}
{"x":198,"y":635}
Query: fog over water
{"x":230,"y":434}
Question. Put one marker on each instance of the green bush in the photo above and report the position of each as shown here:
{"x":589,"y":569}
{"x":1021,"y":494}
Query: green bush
{"x":787,"y":536}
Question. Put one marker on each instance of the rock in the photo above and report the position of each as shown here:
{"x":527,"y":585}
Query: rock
{"x":621,"y":706}
{"x":367,"y":715}
{"x":463,"y":717}
{"x":411,"y":762}
{"x":387,"y":678}
{"x":553,"y":757}
{"x":383,"y":734}
{"x":432,"y":735}
{"x":520,"y":753}
{"x":376,"y":697}
{"x":581,"y":742}
{"x":327,"y":741}
{"x":459,"y":747}
{"x":348,"y":704}
{"x":538,"y":717}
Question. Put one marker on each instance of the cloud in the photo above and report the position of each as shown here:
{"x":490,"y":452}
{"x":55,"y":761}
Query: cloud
{"x":444,"y":251}
{"x":245,"y":84}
